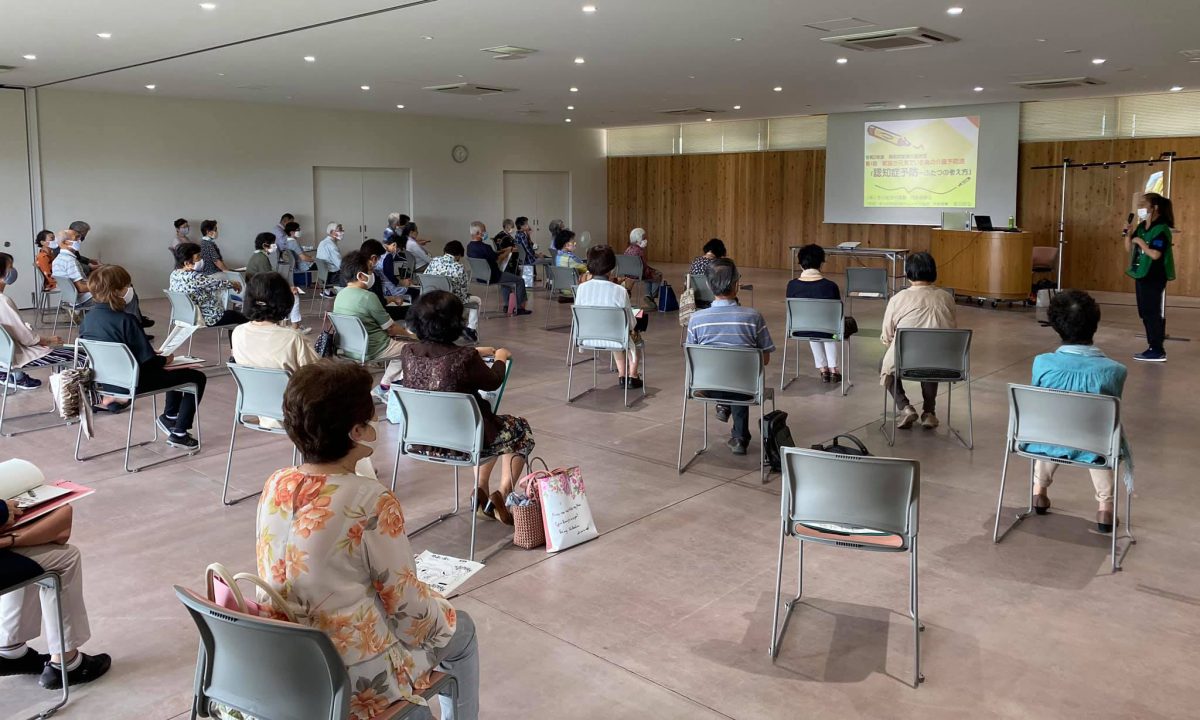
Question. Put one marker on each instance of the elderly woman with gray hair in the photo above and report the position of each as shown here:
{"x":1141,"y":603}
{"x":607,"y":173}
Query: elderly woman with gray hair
{"x":650,"y":276}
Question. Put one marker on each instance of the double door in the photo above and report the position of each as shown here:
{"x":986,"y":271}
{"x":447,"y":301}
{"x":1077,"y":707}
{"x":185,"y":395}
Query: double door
{"x":541,"y":197}
{"x":360,"y":199}
{"x":16,"y":217}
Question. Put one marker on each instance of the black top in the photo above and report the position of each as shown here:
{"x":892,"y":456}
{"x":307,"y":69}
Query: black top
{"x":481,"y":250}
{"x":823,"y":289}
{"x":107,"y":325}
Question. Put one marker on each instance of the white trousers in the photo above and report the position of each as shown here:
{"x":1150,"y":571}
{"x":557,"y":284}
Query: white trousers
{"x":473,"y":313}
{"x":294,"y":318}
{"x":26,"y":614}
{"x":825,"y":353}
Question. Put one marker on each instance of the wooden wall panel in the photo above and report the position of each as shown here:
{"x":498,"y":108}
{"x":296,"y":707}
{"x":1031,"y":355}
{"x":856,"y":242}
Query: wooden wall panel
{"x":760,"y":203}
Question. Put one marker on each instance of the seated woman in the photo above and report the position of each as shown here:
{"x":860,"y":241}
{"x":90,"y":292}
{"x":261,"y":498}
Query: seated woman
{"x":1078,"y":366}
{"x":264,"y":342}
{"x":564,"y":246}
{"x":601,"y":291}
{"x":260,"y":262}
{"x":210,"y":252}
{"x":713,"y":249}
{"x":436,"y":363}
{"x":651,"y":277}
{"x":449,"y":265}
{"x":332,"y":544}
{"x":107,"y":321}
{"x":44,"y":244}
{"x":812,"y":285}
{"x":921,"y":305}
{"x":414,"y":246}
{"x":29,"y":348}
{"x":385,"y":338}
{"x":203,"y":290}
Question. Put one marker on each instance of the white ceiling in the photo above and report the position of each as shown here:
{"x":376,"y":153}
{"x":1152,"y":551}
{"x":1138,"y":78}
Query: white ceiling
{"x":643,"y":56}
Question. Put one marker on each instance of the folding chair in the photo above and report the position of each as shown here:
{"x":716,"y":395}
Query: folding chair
{"x":933,"y":355}
{"x":259,"y":395}
{"x":448,"y":421}
{"x":718,"y":375}
{"x":48,"y":581}
{"x":603,"y":329}
{"x":806,"y":318}
{"x":1072,"y":420}
{"x":846,"y":501}
{"x":114,"y":366}
{"x":563,"y":283}
{"x":865,"y":283}
{"x":7,"y":351}
{"x":277,"y":670}
{"x":481,"y":273}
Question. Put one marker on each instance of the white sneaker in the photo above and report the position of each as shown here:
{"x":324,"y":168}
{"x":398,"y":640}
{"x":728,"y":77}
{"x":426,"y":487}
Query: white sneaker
{"x":908,"y":416}
{"x":304,"y":330}
{"x":929,"y":421}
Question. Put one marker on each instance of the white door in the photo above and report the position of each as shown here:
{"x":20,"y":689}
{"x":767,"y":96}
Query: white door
{"x":384,"y":191}
{"x":539,"y":196}
{"x":16,"y":220}
{"x":338,"y":197}
{"x":554,"y":200}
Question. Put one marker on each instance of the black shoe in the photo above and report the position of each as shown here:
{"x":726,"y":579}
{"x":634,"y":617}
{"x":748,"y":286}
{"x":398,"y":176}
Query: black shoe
{"x":31,"y":663}
{"x":149,"y":337}
{"x":92,"y":667}
{"x":737,"y":446}
{"x":184,"y":441}
{"x":113,"y":407}
{"x":633,"y":383}
{"x":165,"y":423}
{"x":523,"y":311}
{"x":147,"y":322}
{"x":471,"y":335}
{"x":723,"y":413}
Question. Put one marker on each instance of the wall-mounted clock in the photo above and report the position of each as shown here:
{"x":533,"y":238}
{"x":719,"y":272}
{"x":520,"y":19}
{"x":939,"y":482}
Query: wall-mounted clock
{"x":459,"y":153}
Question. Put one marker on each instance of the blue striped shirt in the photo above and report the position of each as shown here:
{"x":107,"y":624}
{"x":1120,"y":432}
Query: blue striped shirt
{"x":728,"y":324}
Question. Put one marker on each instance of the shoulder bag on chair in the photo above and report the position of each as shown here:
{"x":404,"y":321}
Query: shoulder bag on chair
{"x":855,"y":446}
{"x":223,"y":590}
{"x":687,"y":303}
{"x":326,"y":345}
{"x":566,"y":515}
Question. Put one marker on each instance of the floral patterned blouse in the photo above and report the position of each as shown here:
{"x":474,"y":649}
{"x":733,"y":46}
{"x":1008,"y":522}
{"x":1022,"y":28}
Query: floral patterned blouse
{"x":203,"y":290}
{"x":335,"y":549}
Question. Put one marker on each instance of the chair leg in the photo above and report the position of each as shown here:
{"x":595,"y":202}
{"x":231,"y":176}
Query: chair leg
{"x":883,"y":425}
{"x":682,"y":428}
{"x":846,"y":384}
{"x":570,"y":369}
{"x":55,"y":583}
{"x":444,"y":516}
{"x":773,"y":650}
{"x":1116,"y":514}
{"x":474,"y":514}
{"x":229,"y":460}
{"x":764,"y":470}
{"x":997,"y":536}
{"x":396,"y":463}
{"x":914,"y":600}
{"x":129,"y":431}
{"x":783,"y":366}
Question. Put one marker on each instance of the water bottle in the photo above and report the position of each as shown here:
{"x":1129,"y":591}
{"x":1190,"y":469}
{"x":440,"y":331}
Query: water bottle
{"x":1012,"y":223}
{"x":967,"y":221}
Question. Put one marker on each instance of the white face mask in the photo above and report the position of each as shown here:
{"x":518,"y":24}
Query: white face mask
{"x":198,"y":266}
{"x":369,"y":279}
{"x":184,"y":230}
{"x":337,"y":234}
{"x":75,"y":244}
{"x":268,"y":249}
{"x":10,"y":277}
{"x":297,"y":235}
{"x":1143,"y":213}
{"x":370,"y":439}
{"x":128,"y":296}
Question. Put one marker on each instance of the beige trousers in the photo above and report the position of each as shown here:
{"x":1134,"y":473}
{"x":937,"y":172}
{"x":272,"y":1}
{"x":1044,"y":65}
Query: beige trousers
{"x":394,"y":369}
{"x":1102,"y":479}
{"x":24,"y":615}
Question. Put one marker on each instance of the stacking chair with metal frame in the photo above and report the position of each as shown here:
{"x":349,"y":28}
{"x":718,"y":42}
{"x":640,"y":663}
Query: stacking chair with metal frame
{"x":1072,"y":420}
{"x":7,"y":351}
{"x":184,"y":311}
{"x":481,"y":273}
{"x":114,"y":365}
{"x":865,"y":283}
{"x":631,"y":266}
{"x":259,"y":395}
{"x":561,"y":280}
{"x":352,"y":338}
{"x":430,"y":282}
{"x":447,"y":421}
{"x":701,"y":292}
{"x":277,"y":670}
{"x":52,"y":581}
{"x":736,"y":371}
{"x":321,"y":272}
{"x":937,"y":355}
{"x":44,"y":298}
{"x":597,"y":329}
{"x":847,"y":501}
{"x":68,"y":298}
{"x":815,"y":316}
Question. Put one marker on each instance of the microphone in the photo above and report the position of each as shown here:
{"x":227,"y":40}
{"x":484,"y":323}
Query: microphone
{"x":1128,"y":221}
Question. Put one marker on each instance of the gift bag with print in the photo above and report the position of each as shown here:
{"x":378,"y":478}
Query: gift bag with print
{"x":566,"y":516}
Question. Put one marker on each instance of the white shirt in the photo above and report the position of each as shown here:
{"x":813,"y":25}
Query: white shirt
{"x":67,"y":265}
{"x":414,"y":247}
{"x":328,"y":251}
{"x":604,"y":293}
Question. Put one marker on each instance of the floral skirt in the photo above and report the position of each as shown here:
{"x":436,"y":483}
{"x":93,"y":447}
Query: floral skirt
{"x":514,"y":437}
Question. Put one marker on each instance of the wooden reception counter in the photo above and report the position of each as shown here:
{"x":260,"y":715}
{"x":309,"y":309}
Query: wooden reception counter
{"x":992,"y":264}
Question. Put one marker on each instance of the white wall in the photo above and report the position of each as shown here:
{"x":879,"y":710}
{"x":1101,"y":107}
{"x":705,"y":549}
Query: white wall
{"x":130,"y":165}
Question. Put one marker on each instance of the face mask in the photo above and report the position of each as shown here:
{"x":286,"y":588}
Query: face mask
{"x":369,"y":441}
{"x":198,"y":266}
{"x":184,"y":230}
{"x":128,"y":296}
{"x":268,"y":249}
{"x":297,"y":235}
{"x":369,"y":280}
{"x":11,"y":276}
{"x":75,"y":244}
{"x":485,"y":237}
{"x":1143,"y":213}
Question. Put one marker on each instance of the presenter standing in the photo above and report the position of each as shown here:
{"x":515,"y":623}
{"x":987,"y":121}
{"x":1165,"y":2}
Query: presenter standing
{"x":1151,"y":265}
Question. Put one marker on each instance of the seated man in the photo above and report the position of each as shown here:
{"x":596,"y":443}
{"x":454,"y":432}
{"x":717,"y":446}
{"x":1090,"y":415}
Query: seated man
{"x":509,"y":282}
{"x":329,"y":252}
{"x":1077,"y":366}
{"x":71,"y":266}
{"x":391,"y":296}
{"x":728,"y":324}
{"x":385,"y":338}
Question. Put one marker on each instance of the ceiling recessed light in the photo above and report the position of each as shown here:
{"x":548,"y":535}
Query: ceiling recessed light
{"x":954,"y":11}
{"x":1039,"y":39}
{"x":220,"y":74}
{"x":737,"y":107}
{"x":104,"y":36}
{"x":902,"y":107}
{"x":151,"y":87}
{"x":736,"y":39}
{"x":574,"y":89}
{"x":1098,"y":61}
{"x":208,"y":6}
{"x":842,"y":61}
{"x":589,"y":8}
{"x":978,"y":89}
{"x":310,"y":58}
{"x":707,"y":119}
{"x":30,"y":57}
{"x":1177,"y":88}
{"x":579,"y":61}
{"x":570,"y":107}
{"x":566,"y":119}
{"x":778,"y":89}
{"x":364,"y":87}
{"x":399,"y":107}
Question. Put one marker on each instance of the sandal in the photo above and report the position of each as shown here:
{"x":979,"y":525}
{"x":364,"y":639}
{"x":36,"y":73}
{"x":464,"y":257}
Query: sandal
{"x":1041,"y":503}
{"x":826,"y":376}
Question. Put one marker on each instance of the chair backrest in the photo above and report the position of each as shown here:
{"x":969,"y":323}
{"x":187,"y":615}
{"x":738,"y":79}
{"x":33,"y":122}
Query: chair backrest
{"x":724,"y":369}
{"x":322,"y":270}
{"x":112,"y":363}
{"x":442,"y":419}
{"x":814,"y":316}
{"x":70,"y":293}
{"x":286,"y":267}
{"x":629,"y":266}
{"x":522,"y":256}
{"x":183,"y":309}
{"x":867,"y":281}
{"x":7,"y":348}
{"x":268,"y":669}
{"x":933,"y":353}
{"x":1078,"y":421}
{"x":701,"y":289}
{"x":260,"y":391}
{"x":431,"y":282}
{"x":1044,"y":256}
{"x":410,"y":263}
{"x":562,"y":278}
{"x":351,"y":335}
{"x":593,"y":325}
{"x":481,"y":272}
{"x":882,"y":494}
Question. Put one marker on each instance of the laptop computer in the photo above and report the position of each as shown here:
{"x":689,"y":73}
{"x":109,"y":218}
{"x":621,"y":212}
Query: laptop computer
{"x":984,"y":223}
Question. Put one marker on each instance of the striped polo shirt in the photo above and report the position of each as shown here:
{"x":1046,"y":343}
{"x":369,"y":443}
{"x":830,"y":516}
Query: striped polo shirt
{"x":603,"y":293}
{"x":728,"y":324}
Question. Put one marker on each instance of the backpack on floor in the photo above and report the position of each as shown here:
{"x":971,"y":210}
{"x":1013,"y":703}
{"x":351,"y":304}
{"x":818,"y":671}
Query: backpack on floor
{"x":776,"y":434}
{"x":856,"y":446}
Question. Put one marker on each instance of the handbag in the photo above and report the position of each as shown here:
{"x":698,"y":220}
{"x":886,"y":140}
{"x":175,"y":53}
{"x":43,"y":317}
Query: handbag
{"x":776,"y":436}
{"x":326,"y":345}
{"x":53,"y":528}
{"x":856,"y":448}
{"x":667,"y":302}
{"x":223,"y":590}
{"x":566,"y":515}
{"x":528,"y":531}
{"x":687,"y":304}
{"x":849,"y":327}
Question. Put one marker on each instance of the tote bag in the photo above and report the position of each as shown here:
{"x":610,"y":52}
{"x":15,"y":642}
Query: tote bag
{"x":566,"y":515}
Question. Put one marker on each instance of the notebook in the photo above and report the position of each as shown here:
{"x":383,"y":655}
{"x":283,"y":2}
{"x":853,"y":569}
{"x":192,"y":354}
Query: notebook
{"x":22,"y":481}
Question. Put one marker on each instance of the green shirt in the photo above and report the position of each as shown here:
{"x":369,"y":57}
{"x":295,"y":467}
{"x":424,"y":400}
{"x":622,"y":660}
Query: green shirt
{"x":258,"y":263}
{"x":364,"y":305}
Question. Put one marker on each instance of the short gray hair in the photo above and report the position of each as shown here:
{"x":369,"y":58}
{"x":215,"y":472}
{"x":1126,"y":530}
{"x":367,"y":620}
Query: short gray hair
{"x":636,"y":236}
{"x":333,"y":226}
{"x":555,"y":226}
{"x":722,"y":276}
{"x":393,"y":218}
{"x":80,"y":226}
{"x":478,"y":225}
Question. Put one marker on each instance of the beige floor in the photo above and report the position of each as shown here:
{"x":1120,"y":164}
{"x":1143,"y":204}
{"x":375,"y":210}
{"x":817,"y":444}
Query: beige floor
{"x":667,"y":614}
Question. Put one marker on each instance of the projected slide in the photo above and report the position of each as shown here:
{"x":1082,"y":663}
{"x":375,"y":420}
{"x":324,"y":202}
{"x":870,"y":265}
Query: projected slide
{"x":921,"y":163}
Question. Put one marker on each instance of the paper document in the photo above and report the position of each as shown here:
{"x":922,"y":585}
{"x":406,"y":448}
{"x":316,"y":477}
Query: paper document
{"x":444,"y":573}
{"x":22,"y":481}
{"x":182,"y":361}
{"x":180,"y":333}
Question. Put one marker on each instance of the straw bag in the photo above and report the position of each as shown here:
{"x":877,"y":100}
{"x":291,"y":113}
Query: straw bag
{"x":528,"y":531}
{"x":223,"y":590}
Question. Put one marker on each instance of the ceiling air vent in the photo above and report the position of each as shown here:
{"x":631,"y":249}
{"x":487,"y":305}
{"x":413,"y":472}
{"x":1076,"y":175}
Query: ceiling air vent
{"x":1192,"y":56}
{"x":7,"y":68}
{"x":685,"y":112}
{"x":508,"y":52}
{"x":1058,"y":83}
{"x":888,"y":40}
{"x":468,"y":89}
